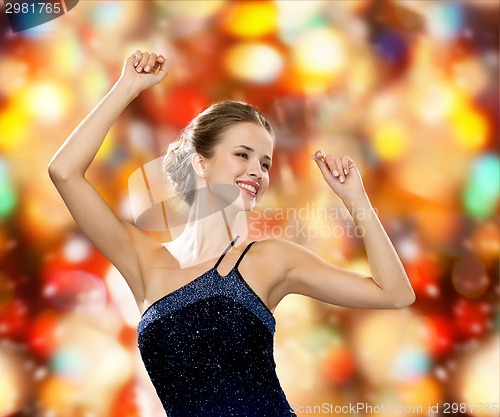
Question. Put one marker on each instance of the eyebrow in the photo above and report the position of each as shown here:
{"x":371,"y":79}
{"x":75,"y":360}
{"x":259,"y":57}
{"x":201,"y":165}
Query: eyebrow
{"x":248,"y":148}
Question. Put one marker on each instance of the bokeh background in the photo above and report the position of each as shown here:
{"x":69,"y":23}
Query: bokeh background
{"x":408,"y":89}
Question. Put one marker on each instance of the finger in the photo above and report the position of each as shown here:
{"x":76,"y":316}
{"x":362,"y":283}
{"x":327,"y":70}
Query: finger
{"x":318,"y":154}
{"x":332,"y":166}
{"x":322,"y":166}
{"x":339,"y":169}
{"x":161,"y":66}
{"x":151,"y":62}
{"x":137,"y":55}
{"x":160,"y":60}
{"x":345,"y":164}
{"x":143,"y":61}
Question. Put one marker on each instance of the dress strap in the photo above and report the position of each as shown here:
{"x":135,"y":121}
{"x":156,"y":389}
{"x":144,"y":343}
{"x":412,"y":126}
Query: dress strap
{"x":226,"y":251}
{"x":243,"y":254}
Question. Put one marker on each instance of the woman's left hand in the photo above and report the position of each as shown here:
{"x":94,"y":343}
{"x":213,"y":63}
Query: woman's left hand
{"x":341,"y":174}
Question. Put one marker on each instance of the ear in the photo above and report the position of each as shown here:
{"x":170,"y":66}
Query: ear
{"x":198,"y":163}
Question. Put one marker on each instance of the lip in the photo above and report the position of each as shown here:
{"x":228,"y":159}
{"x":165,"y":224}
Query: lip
{"x":251,"y":183}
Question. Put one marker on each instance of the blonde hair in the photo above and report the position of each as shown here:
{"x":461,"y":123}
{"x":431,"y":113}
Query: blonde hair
{"x":201,"y":136}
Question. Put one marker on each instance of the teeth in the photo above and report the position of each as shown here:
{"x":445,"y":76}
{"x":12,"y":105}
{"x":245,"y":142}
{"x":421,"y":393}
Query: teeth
{"x":248,"y":187}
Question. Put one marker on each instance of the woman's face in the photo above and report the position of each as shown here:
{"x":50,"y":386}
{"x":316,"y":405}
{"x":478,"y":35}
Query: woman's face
{"x":242,"y":158}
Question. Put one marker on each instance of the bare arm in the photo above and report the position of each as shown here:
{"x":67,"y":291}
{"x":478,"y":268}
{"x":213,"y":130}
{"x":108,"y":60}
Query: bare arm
{"x":308,"y":274}
{"x":114,"y":238}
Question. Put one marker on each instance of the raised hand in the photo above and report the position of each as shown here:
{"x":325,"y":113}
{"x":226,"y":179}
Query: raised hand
{"x":142,"y":70}
{"x":341,"y":174}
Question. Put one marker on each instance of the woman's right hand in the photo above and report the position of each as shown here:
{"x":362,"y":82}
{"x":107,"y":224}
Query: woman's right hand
{"x":142,"y":70}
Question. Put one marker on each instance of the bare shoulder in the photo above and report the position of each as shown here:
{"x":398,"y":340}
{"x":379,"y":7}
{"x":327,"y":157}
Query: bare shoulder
{"x":279,"y":250}
{"x":277,"y":256}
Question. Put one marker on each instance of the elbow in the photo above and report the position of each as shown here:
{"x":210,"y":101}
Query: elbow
{"x":404,"y":300}
{"x":57,"y":173}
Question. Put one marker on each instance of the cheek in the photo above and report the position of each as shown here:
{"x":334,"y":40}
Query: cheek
{"x":265,"y":184}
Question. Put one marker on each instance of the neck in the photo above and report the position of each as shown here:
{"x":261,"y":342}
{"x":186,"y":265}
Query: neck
{"x":209,"y":230}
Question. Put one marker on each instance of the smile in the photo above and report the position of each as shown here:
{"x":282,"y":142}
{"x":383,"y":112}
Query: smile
{"x":250,"y":187}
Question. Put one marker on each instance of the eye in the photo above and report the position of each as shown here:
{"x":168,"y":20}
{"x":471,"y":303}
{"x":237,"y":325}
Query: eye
{"x":267,"y":167}
{"x":242,"y":154}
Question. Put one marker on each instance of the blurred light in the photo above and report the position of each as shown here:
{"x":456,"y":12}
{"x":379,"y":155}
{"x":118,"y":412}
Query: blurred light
{"x":6,"y":289}
{"x":424,"y":273}
{"x":77,"y":249}
{"x":486,"y":240}
{"x":251,"y":19}
{"x":445,"y":20}
{"x":418,"y":395}
{"x":295,"y":16}
{"x":472,"y":318}
{"x":254,"y":62}
{"x":318,"y":57}
{"x":441,"y":335}
{"x":75,"y":290}
{"x":295,"y":312}
{"x":126,"y":402}
{"x":482,"y":192}
{"x":197,"y":8}
{"x":469,"y":277}
{"x":141,"y":135}
{"x":8,"y":197}
{"x":94,"y":82}
{"x":58,"y":396}
{"x":376,"y":356}
{"x":193,"y":100}
{"x":411,"y":363}
{"x":66,"y":55}
{"x":321,"y":338}
{"x":478,"y":380}
{"x":390,"y":140}
{"x":409,"y":248}
{"x":108,"y":14}
{"x":48,"y":101}
{"x":14,"y":382}
{"x":15,"y":121}
{"x":187,"y":17}
{"x":108,"y":145}
{"x":14,"y":319}
{"x":469,"y":126}
{"x":44,"y":216}
{"x":391,"y":47}
{"x":471,"y":76}
{"x":13,"y":75}
{"x":70,"y":363}
{"x":122,"y":297}
{"x":338,"y":364}
{"x":432,"y":100}
{"x":43,"y":334}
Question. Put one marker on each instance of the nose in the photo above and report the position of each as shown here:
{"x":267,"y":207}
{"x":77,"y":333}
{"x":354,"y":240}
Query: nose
{"x":255,"y":170}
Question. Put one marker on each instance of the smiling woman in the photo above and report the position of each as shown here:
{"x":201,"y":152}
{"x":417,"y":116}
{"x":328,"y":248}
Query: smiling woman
{"x":207,"y":325}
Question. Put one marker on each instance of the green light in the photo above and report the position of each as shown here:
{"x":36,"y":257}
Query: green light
{"x":8,"y":198}
{"x":481,"y":193}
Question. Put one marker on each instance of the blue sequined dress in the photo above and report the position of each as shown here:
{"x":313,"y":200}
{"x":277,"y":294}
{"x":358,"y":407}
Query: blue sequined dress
{"x":208,"y":349}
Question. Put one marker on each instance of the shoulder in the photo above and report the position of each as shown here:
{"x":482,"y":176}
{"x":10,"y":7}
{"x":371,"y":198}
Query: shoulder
{"x":278,"y":251}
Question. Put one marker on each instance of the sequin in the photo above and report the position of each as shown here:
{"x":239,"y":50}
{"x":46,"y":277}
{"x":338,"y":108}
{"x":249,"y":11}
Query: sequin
{"x":208,"y":349}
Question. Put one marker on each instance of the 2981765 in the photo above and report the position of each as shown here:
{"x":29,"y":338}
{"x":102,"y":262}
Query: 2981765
{"x":33,"y":8}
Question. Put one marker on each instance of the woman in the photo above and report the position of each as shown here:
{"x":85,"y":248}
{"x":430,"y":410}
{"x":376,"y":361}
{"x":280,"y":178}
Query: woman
{"x":206,"y":333}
